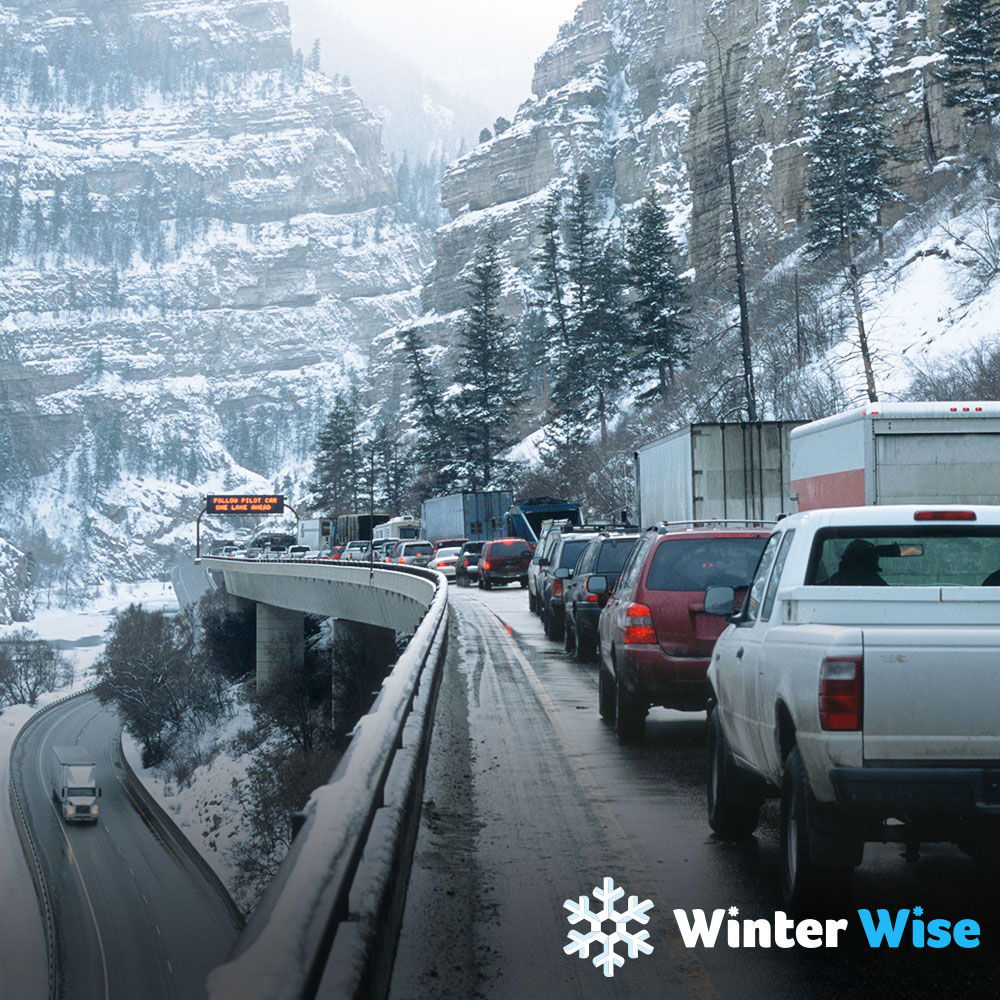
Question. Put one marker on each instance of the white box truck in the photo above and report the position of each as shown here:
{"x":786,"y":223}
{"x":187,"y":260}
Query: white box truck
{"x":886,"y":453}
{"x":72,"y":774}
{"x":315,"y":532}
{"x":477,"y":516}
{"x":716,"y":471}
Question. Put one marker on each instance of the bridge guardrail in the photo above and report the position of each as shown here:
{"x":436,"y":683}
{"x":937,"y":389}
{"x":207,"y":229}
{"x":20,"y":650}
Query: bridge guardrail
{"x":327,"y":924}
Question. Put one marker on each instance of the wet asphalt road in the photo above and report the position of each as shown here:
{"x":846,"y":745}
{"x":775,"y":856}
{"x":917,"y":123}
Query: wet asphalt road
{"x":136,"y":919}
{"x":530,"y":801}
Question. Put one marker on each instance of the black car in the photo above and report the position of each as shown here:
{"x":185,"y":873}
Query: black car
{"x":554,"y":570}
{"x":466,"y":569}
{"x":604,"y":556}
{"x":504,"y":560}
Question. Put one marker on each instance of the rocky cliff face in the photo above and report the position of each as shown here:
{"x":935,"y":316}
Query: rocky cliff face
{"x":631,"y":93}
{"x":198,"y":240}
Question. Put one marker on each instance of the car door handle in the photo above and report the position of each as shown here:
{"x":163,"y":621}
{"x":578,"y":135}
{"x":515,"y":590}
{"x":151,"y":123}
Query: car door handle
{"x":739,"y":653}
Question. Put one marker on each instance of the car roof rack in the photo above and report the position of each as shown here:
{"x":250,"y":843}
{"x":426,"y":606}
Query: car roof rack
{"x":662,"y":527}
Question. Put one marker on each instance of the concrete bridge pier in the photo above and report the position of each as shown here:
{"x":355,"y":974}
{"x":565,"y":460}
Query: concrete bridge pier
{"x":363,"y":655}
{"x":280,"y":641}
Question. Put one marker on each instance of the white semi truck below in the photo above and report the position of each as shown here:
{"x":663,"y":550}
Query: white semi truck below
{"x":72,"y":774}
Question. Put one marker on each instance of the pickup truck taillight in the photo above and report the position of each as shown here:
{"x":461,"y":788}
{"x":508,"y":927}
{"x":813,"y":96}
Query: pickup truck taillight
{"x":639,"y":629}
{"x":840,"y":685}
{"x":557,"y":588}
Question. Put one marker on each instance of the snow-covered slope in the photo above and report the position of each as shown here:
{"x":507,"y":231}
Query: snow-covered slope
{"x":198,"y":241}
{"x":14,"y":603}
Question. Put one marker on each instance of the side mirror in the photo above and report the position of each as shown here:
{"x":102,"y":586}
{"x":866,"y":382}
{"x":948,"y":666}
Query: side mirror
{"x":720,"y":601}
{"x":562,"y":573}
{"x":597,"y":585}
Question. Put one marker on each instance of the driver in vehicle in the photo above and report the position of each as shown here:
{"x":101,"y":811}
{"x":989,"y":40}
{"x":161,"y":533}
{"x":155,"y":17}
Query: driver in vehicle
{"x":858,"y":566}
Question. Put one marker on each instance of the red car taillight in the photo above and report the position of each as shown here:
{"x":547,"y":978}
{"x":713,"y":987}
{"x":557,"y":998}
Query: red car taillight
{"x":639,"y":629}
{"x":486,"y":565}
{"x":402,"y":559}
{"x":557,"y":588}
{"x":840,"y":689}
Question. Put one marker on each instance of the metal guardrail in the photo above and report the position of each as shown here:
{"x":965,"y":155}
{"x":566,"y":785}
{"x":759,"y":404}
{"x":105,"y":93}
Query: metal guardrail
{"x":328,"y":923}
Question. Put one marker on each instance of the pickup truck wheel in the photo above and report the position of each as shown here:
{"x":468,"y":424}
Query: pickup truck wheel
{"x":804,"y":882}
{"x":630,"y":715}
{"x":733,"y":804}
{"x":605,"y":695}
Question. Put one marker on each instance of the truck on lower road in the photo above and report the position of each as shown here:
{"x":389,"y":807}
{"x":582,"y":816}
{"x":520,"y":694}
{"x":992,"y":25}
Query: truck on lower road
{"x":72,"y":775}
{"x":887,"y":453}
{"x":716,"y":471}
{"x":476,"y":516}
{"x":858,"y":684}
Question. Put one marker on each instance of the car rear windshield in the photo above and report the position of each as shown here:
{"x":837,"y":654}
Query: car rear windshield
{"x":418,"y":550}
{"x":700,"y":563}
{"x":953,"y":555}
{"x":515,"y":547}
{"x":613,"y":554}
{"x":571,"y":552}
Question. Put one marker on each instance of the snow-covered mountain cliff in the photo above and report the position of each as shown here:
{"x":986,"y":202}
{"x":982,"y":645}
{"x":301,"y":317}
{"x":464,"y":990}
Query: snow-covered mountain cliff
{"x":199,"y":238}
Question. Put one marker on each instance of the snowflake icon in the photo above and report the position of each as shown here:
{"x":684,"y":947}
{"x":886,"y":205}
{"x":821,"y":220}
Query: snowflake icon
{"x":608,"y":927}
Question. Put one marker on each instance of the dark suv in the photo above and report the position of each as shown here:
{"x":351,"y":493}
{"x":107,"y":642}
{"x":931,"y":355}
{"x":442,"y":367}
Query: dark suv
{"x":554,"y":570}
{"x":601,"y":562}
{"x":466,"y":569}
{"x":655,"y":636}
{"x":504,"y":561}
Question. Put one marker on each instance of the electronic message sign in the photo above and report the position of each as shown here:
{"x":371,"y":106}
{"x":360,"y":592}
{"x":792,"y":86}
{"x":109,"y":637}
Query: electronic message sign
{"x":245,"y":505}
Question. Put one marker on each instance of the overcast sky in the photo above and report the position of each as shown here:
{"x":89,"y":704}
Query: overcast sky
{"x":485,"y":48}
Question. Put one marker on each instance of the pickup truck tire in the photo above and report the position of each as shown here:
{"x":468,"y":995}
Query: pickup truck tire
{"x":804,"y":881}
{"x":630,"y":714}
{"x":733,"y":802}
{"x":605,"y":695}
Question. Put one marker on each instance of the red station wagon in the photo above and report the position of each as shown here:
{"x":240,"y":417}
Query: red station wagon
{"x":504,"y":561}
{"x":654,"y":634}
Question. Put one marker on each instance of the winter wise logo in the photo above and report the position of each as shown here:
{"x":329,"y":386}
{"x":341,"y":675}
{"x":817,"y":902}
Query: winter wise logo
{"x":882,"y":929}
{"x":608,"y":927}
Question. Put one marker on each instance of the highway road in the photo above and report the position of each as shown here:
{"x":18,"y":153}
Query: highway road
{"x":191,"y":582}
{"x":530,"y":801}
{"x":135,"y":917}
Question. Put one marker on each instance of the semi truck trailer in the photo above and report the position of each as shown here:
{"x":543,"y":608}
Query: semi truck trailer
{"x":888,"y":453}
{"x":475,"y":515}
{"x":72,"y":774}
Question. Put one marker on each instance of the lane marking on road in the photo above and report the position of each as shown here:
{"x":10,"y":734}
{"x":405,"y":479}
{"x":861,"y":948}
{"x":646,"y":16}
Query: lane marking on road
{"x":688,"y":965}
{"x":76,"y":868}
{"x":118,"y":772}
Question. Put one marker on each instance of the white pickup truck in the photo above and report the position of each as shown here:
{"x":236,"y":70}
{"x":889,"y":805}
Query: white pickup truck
{"x":861,"y":683}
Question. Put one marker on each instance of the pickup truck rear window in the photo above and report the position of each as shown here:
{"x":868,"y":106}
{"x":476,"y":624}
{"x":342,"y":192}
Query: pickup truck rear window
{"x":700,"y":563}
{"x":952,"y":555}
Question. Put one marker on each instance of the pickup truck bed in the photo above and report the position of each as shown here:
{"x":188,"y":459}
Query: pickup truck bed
{"x":861,"y":704}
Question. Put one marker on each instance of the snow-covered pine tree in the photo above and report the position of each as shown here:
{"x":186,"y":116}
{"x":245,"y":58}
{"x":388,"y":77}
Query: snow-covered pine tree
{"x":337,"y":466}
{"x":971,"y":46}
{"x":849,"y":185}
{"x":489,"y":372}
{"x":433,"y":448}
{"x":659,"y":302}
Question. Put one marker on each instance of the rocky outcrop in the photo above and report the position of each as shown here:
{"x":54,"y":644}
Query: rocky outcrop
{"x":630,"y":92}
{"x":199,"y":240}
{"x":15,"y":602}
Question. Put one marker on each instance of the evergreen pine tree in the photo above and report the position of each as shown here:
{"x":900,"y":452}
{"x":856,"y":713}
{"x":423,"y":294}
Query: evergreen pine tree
{"x":433,"y":449}
{"x":848,"y":186}
{"x":658,"y":305}
{"x":971,"y":47}
{"x":489,"y":372}
{"x":337,"y":464}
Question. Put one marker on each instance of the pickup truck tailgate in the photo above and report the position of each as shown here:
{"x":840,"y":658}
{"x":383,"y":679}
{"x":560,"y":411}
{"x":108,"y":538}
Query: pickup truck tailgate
{"x":931,"y":694}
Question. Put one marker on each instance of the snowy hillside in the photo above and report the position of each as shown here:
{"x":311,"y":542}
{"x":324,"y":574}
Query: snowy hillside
{"x":14,"y":605}
{"x":199,"y":238}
